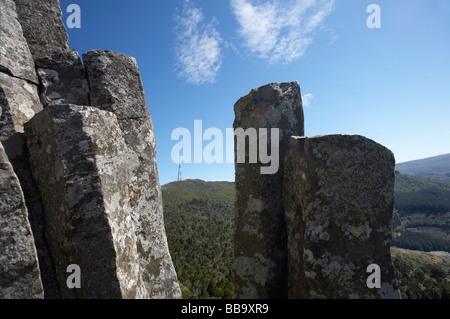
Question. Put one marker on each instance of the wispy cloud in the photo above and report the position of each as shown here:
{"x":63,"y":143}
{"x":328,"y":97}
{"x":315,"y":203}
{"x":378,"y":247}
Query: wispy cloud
{"x":198,"y":51}
{"x":279,"y":30}
{"x":306,"y":99}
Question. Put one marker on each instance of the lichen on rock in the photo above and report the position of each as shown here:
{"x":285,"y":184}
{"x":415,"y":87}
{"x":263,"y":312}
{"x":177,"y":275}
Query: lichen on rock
{"x":260,"y":237}
{"x":339,"y":197}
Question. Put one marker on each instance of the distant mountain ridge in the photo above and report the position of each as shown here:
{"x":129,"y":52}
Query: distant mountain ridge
{"x":437,"y":167}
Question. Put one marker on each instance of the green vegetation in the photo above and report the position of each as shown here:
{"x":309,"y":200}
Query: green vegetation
{"x":422,"y":214}
{"x":421,"y":195}
{"x":422,"y":275}
{"x":417,"y":240}
{"x":199,"y":223}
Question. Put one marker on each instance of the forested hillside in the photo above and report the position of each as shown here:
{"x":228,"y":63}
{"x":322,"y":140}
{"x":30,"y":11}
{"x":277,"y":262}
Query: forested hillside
{"x":422,"y":214}
{"x":422,"y":275}
{"x":199,"y":223}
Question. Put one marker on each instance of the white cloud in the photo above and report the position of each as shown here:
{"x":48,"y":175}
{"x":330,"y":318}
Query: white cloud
{"x":306,"y":99}
{"x":198,"y":51}
{"x":279,"y":30}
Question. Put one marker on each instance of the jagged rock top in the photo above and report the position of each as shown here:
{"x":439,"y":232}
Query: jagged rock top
{"x":116,"y":84}
{"x":275,"y":105}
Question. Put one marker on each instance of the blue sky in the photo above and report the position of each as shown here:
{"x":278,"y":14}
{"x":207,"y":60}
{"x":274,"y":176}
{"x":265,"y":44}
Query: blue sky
{"x":198,"y":57}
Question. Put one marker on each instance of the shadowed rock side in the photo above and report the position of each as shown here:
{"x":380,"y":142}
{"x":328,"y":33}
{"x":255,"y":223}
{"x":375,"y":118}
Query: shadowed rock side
{"x":19,"y":269}
{"x":116,"y":86}
{"x":260,"y":237}
{"x":20,"y":102}
{"x":43,"y":27}
{"x":339,"y":196}
{"x":15,"y":56}
{"x":81,"y":164}
{"x":63,"y":80}
{"x":38,"y":71}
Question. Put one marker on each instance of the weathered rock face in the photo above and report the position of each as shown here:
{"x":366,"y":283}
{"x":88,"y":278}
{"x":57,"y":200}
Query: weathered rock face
{"x":116,"y":86}
{"x":63,"y":80}
{"x":82,"y":165}
{"x":20,"y":102}
{"x":260,"y":237}
{"x":126,"y":227}
{"x":19,"y":268}
{"x":42,"y":27}
{"x":15,"y":56}
{"x":339,"y":196}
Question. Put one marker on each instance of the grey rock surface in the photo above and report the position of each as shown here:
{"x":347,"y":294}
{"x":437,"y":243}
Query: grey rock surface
{"x":260,"y":265}
{"x":15,"y":56}
{"x":18,"y":154}
{"x":82,"y":167}
{"x":19,"y":101}
{"x":63,"y":80}
{"x":339,"y":197}
{"x":43,"y":27}
{"x":19,"y":267}
{"x":116,"y":86}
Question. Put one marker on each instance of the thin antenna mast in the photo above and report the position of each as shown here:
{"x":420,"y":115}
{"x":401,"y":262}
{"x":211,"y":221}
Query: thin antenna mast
{"x":180,"y":174}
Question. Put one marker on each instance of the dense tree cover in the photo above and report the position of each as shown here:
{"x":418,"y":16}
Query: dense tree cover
{"x":422,"y":214}
{"x":199,"y":224}
{"x":416,"y":240}
{"x":421,"y":195}
{"x":421,"y":275}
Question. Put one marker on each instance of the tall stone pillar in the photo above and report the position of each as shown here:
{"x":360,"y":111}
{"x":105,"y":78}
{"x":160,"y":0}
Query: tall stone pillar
{"x":260,"y":265}
{"x":116,"y":86}
{"x":43,"y":27}
{"x":82,"y":167}
{"x":19,"y":268}
{"x":339,"y":197}
{"x":19,"y":100}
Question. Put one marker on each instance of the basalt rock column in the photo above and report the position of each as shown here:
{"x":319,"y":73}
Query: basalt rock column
{"x":63,"y":79}
{"x":116,"y":86}
{"x":339,"y":196}
{"x":20,"y":102}
{"x":19,"y":269}
{"x":15,"y":56}
{"x":82,"y":165}
{"x":43,"y":27}
{"x":260,"y":238}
